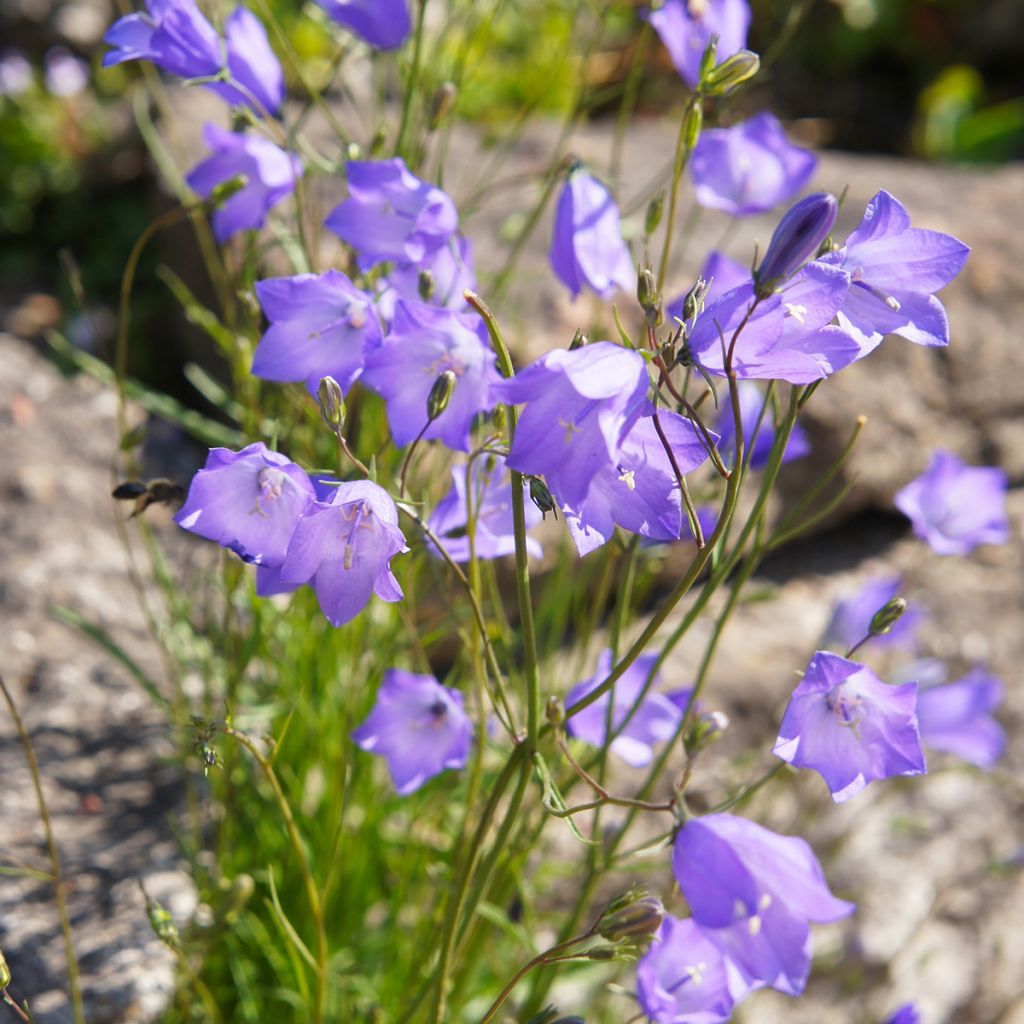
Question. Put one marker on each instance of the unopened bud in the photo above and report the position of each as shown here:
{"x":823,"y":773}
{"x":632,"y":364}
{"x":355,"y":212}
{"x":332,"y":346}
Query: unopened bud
{"x":426,"y":285}
{"x":887,"y":616}
{"x":498,"y":418}
{"x":653,"y":216}
{"x":440,"y":394}
{"x":707,"y":59}
{"x":441,"y":104}
{"x":646,"y":291}
{"x":733,"y":71}
{"x":162,"y":924}
{"x":694,"y":122}
{"x":579,"y":339}
{"x":804,"y":226}
{"x":554,"y":712}
{"x":332,"y":402}
{"x":693,"y":301}
{"x":634,"y":915}
{"x":542,"y":497}
{"x":5,"y":972}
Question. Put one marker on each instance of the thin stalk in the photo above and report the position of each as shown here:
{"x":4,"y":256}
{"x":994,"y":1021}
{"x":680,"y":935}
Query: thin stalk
{"x":636,"y":69}
{"x":681,"y":158}
{"x":411,"y":82}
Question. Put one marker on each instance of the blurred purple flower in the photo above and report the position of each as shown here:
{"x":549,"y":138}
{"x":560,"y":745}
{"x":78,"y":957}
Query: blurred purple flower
{"x":270,"y":175}
{"x":683,"y":977}
{"x":954,"y":507}
{"x":686,"y":26}
{"x":491,"y":492}
{"x":655,"y":720}
{"x":906,"y":1014}
{"x":586,"y":245}
{"x":344,"y":548}
{"x":424,"y":342}
{"x":391,"y":214}
{"x":450,"y":270}
{"x":753,"y":893}
{"x":758,"y":445}
{"x":579,"y":407}
{"x":320,"y":325}
{"x":846,"y":724}
{"x":64,"y":74}
{"x":956,"y":718}
{"x":800,"y":232}
{"x":419,"y":726}
{"x":851,"y":617}
{"x":895,"y":270}
{"x":16,"y":74}
{"x":749,"y":168}
{"x":382,"y":23}
{"x":255,"y":71}
{"x":248,"y":501}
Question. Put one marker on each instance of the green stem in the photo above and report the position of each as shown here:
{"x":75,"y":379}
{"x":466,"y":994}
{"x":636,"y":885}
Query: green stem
{"x":682,"y":156}
{"x":414,"y":74}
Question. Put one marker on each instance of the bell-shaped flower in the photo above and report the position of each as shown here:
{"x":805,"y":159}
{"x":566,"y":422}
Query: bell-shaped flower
{"x":685,"y":28}
{"x":758,"y":429}
{"x":419,"y":726}
{"x":249,"y":501}
{"x":896,"y":270}
{"x":683,"y":978}
{"x":384,"y":24}
{"x":957,"y":718}
{"x":586,"y":245}
{"x":749,"y":168}
{"x":579,"y":407}
{"x":640,"y":492}
{"x":391,"y":214}
{"x":424,"y":342}
{"x":796,"y":239}
{"x":852,"y":615}
{"x":754,"y":892}
{"x":320,"y":325}
{"x":655,"y":719}
{"x":270,"y":175}
{"x":843,"y":722}
{"x":256,"y":77}
{"x":344,"y":548}
{"x":441,"y":279}
{"x":490,"y":493}
{"x":954,"y":507}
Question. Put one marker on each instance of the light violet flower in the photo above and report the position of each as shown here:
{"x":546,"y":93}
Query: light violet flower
{"x":16,"y":74}
{"x":753,"y":893}
{"x":758,"y":434}
{"x":851,"y":617}
{"x":419,"y":726}
{"x":587,"y":246}
{"x":686,"y":26}
{"x":449,"y":271}
{"x":954,"y":507}
{"x":749,"y":168}
{"x":257,"y":79}
{"x":64,"y":74}
{"x":850,"y":727}
{"x":957,"y":718}
{"x":906,"y":1014}
{"x":344,"y":549}
{"x":270,"y":175}
{"x":320,"y":325}
{"x":384,"y":24}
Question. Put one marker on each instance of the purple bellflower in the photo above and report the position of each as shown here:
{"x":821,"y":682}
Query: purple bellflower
{"x":320,"y":325}
{"x":758,"y":437}
{"x":683,"y":977}
{"x":270,"y":175}
{"x":579,"y":407}
{"x":419,"y":726}
{"x":685,"y":27}
{"x":384,"y":24}
{"x":257,"y":80}
{"x":906,"y":1014}
{"x":343,"y":547}
{"x":753,"y":893}
{"x":957,"y":718}
{"x":639,"y":492}
{"x":656,"y":718}
{"x":587,"y":246}
{"x":796,"y":239}
{"x":424,"y":342}
{"x":849,"y":726}
{"x":450,"y":273}
{"x":490,"y":489}
{"x":248,"y":501}
{"x":954,"y":507}
{"x":895,"y":270}
{"x":749,"y":168}
{"x":851,"y":617}
{"x":391,"y":214}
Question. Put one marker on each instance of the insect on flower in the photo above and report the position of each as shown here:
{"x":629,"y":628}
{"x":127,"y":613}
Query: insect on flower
{"x":160,"y":491}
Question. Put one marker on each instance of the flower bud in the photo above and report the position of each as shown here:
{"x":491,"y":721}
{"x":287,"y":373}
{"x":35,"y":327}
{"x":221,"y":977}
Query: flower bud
{"x":554,"y":712}
{"x":646,"y":291}
{"x":887,"y":616}
{"x":653,"y":216}
{"x":694,"y":122}
{"x":634,"y":915}
{"x":732,"y":72}
{"x":802,"y":229}
{"x":332,"y":403}
{"x":5,"y":972}
{"x":579,"y":339}
{"x":693,"y":301}
{"x":440,"y":394}
{"x":707,"y":60}
{"x":441,"y":104}
{"x":542,"y":497}
{"x":426,"y":285}
{"x":162,"y":924}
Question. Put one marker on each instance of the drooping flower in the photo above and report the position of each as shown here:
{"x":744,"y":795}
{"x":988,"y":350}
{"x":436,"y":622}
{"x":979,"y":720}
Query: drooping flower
{"x":955,"y":507}
{"x":686,"y":26}
{"x":257,"y":80}
{"x":957,"y":718}
{"x":579,"y":407}
{"x":587,"y":246}
{"x":850,"y":727}
{"x":270,"y":175}
{"x":749,"y":168}
{"x":344,"y":548}
{"x":758,"y":430}
{"x":391,"y":214}
{"x":640,"y":492}
{"x":683,"y":977}
{"x":851,"y":617}
{"x":424,"y":342}
{"x":419,"y":726}
{"x":248,"y":501}
{"x":320,"y":325}
{"x":447,"y":271}
{"x":754,"y":892}
{"x":490,"y":489}
{"x":384,"y":24}
{"x":655,"y":720}
{"x":895,"y":270}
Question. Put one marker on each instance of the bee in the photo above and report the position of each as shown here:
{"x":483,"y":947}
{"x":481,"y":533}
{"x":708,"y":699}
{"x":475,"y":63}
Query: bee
{"x":160,"y":491}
